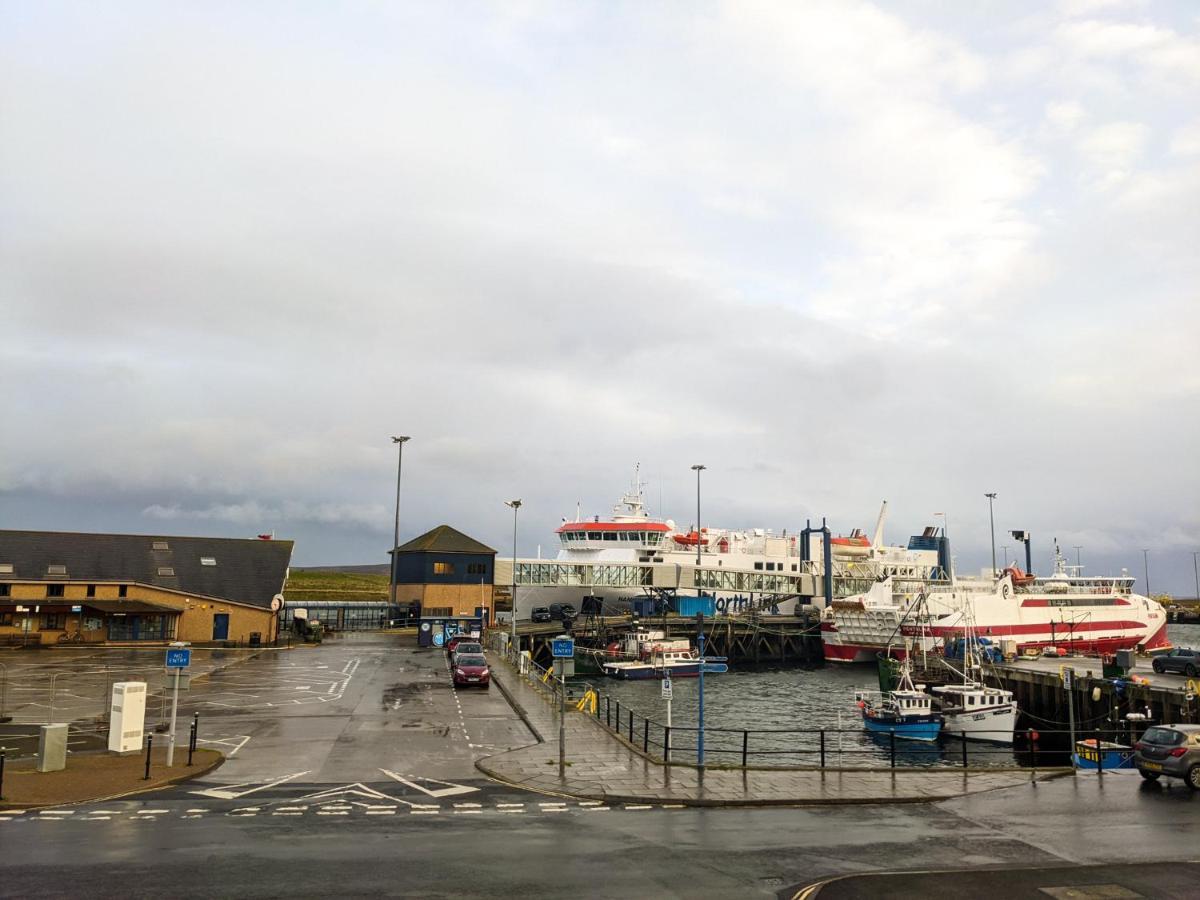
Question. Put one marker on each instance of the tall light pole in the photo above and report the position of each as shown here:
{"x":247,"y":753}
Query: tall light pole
{"x":698,"y":469}
{"x":1196,"y":572}
{"x":514,"y":505}
{"x":400,"y":441}
{"x":992,"y":519}
{"x":1146,"y":568}
{"x":1078,"y":564}
{"x":1004,"y":553}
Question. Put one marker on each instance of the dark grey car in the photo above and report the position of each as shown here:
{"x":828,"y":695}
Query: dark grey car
{"x":1182,"y":660}
{"x":1171,"y":750}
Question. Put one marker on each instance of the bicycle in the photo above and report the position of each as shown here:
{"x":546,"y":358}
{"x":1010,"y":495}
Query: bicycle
{"x":71,"y":637}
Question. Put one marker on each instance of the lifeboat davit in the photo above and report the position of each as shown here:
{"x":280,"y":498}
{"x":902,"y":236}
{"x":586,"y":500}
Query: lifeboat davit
{"x":691,"y":539}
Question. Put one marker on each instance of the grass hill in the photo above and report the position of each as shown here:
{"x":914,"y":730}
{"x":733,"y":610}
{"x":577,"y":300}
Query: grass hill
{"x":337,"y":584}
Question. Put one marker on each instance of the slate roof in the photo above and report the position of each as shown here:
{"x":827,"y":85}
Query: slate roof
{"x":444,"y":539}
{"x":246,"y":571}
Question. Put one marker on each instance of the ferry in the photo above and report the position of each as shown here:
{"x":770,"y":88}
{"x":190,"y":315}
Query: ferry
{"x":1083,"y":614}
{"x":632,"y":541}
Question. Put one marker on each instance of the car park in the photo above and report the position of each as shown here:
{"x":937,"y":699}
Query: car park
{"x":1183,"y":660}
{"x":1171,"y":750}
{"x":540,"y":614}
{"x":471,"y":670}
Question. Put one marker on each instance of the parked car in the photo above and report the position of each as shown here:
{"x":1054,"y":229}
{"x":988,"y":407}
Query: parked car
{"x":454,"y":641}
{"x":466,"y":647}
{"x":540,"y":614}
{"x":471,"y":669}
{"x":1182,"y":660}
{"x":1171,"y":750}
{"x":562,"y":611}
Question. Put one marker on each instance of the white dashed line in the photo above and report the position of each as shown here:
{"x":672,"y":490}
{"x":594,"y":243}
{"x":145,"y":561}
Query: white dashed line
{"x":597,"y":808}
{"x":510,"y":805}
{"x":468,"y":805}
{"x":57,"y":812}
{"x":381,"y":812}
{"x":292,"y":808}
{"x":323,"y":812}
{"x":425,"y":812}
{"x":96,"y":819}
{"x":673,"y":806}
{"x":638,"y":807}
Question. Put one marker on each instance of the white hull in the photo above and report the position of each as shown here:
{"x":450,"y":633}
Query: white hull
{"x":996,"y":724}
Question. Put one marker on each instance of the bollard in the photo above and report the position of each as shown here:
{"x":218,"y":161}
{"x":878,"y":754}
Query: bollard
{"x":745,"y":746}
{"x":1,"y":774}
{"x":1099,"y":758}
{"x":964,"y":740}
{"x":149,"y":745}
{"x":608,"y":711}
{"x":646,"y":736}
{"x":191,"y":742}
{"x":1032,"y":756}
{"x":822,"y":748}
{"x":631,"y":726}
{"x":618,"y":720}
{"x":892,"y":735}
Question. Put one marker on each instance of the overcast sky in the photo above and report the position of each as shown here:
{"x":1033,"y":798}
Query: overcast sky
{"x":837,"y":252}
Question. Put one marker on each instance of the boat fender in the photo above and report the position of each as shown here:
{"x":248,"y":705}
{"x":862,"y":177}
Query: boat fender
{"x":1096,"y":695}
{"x":1192,"y":690}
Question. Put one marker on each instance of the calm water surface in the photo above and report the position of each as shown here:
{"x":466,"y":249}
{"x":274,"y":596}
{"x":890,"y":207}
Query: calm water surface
{"x":804,"y":699}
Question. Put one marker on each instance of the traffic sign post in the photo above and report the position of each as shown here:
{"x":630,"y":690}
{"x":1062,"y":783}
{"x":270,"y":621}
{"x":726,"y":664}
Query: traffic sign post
{"x":1068,"y":683}
{"x":179,"y":657}
{"x":562,"y":648}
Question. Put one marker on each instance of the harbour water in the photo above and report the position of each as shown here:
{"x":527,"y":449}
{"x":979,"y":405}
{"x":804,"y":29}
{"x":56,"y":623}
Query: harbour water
{"x":762,"y":700}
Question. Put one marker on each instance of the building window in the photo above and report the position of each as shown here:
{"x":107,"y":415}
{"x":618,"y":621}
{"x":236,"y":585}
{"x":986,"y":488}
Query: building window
{"x":4,"y":589}
{"x":208,"y":560}
{"x":476,"y":569}
{"x":6,"y":618}
{"x":56,"y":570}
{"x":165,"y":570}
{"x":6,"y":568}
{"x":54,"y":621}
{"x":54,"y":590}
{"x":91,"y":590}
{"x":160,"y":545}
{"x":123,"y":591}
{"x":443,"y":568}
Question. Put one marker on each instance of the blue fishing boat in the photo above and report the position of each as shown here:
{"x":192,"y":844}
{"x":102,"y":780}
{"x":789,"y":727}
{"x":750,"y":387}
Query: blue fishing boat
{"x":1105,"y":755}
{"x":906,"y":711}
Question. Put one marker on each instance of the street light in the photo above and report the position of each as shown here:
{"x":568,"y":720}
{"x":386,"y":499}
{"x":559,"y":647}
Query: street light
{"x":515,"y":505}
{"x":1196,"y":572}
{"x":1146,"y":568}
{"x":400,"y":440}
{"x":1004,"y":553}
{"x":992,"y":519}
{"x":698,"y":469}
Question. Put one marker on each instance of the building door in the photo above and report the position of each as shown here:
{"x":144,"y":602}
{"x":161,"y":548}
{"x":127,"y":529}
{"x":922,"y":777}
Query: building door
{"x":220,"y":626}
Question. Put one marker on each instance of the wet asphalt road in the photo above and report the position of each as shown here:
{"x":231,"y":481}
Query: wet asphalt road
{"x":372,"y":791}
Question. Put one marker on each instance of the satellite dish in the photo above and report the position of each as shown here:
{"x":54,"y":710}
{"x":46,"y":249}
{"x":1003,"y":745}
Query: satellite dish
{"x":277,"y":603}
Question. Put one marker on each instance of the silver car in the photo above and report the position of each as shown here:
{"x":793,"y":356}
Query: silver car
{"x":1171,"y":750}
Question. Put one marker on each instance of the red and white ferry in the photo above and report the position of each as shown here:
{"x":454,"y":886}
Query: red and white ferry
{"x":1084,"y":614}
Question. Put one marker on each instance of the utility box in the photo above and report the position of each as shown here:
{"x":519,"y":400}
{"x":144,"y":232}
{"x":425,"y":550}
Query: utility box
{"x":1126,"y":660}
{"x":127,"y":723}
{"x":52,"y":748}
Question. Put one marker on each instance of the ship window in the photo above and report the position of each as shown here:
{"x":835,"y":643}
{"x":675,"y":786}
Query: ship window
{"x":595,"y":536}
{"x":610,"y":535}
{"x":758,"y":566}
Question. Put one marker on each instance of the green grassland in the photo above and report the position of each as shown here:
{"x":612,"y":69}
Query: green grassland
{"x":309,"y":585}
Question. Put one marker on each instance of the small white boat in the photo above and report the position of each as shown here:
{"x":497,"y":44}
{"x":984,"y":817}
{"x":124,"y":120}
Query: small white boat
{"x":976,"y":712}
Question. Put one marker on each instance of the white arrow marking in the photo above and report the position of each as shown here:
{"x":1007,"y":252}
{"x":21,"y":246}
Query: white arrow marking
{"x":231,"y":792}
{"x":357,"y":789}
{"x":450,"y":789}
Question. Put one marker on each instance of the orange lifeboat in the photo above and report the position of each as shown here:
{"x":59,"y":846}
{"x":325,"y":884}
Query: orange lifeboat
{"x":856,"y":544}
{"x":691,"y":539}
{"x":1019,"y":577}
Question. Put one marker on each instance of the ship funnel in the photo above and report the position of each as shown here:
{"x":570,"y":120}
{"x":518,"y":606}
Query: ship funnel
{"x":877,"y":540}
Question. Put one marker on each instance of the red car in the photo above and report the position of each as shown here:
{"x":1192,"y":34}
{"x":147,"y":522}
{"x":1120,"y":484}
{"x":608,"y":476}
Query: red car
{"x":471,"y":670}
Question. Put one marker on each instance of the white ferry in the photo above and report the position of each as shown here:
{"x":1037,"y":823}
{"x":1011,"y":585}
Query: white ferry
{"x":1084,"y":614}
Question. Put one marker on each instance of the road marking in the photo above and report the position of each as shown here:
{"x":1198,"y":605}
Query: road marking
{"x":291,"y":808}
{"x":468,"y":812}
{"x":14,"y":812}
{"x":591,"y":802}
{"x":425,"y":812}
{"x":597,"y":808}
{"x":287,"y":813}
{"x":231,"y":792}
{"x":673,"y":806}
{"x":550,"y":809}
{"x":381,"y":812}
{"x":551,"y":804}
{"x":638,"y":807}
{"x":197,"y":810}
{"x":449,"y":789}
{"x":95,"y":818}
{"x":509,"y":805}
{"x":332,"y":812}
{"x":467,"y":805}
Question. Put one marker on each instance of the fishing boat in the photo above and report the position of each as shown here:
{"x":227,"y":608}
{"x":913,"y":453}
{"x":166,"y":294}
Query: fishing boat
{"x":906,"y":711}
{"x":1094,"y":754}
{"x":667,"y":664}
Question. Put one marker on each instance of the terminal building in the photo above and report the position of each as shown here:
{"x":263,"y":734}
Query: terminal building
{"x":65,"y":587}
{"x":450,"y":575}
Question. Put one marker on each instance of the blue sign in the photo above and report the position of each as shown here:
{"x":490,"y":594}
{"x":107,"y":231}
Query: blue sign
{"x":179,"y":658}
{"x":562,"y":648}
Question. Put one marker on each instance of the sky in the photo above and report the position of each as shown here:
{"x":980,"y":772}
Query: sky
{"x":837,"y":252}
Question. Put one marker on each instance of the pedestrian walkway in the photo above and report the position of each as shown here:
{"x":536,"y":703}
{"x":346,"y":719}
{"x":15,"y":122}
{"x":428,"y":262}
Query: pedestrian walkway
{"x":601,"y":767}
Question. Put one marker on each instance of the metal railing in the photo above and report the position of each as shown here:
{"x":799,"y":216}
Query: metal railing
{"x":810,"y":748}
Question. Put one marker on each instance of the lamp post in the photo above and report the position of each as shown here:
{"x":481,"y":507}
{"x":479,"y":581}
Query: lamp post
{"x":514,"y":505}
{"x":1196,"y":572}
{"x":1004,"y":553}
{"x":698,"y":469}
{"x":992,"y":520}
{"x":400,"y":441}
{"x":1078,"y":564}
{"x":1146,"y":568}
